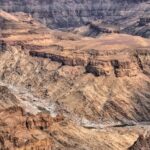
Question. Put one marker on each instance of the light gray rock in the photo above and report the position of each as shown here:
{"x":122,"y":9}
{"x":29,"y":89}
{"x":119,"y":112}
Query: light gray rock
{"x":68,"y":13}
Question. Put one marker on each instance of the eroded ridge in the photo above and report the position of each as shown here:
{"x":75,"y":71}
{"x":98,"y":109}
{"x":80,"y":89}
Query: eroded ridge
{"x":109,"y":55}
{"x":96,"y":89}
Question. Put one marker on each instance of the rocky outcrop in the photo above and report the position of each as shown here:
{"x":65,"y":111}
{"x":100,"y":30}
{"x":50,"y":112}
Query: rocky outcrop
{"x":81,"y":89}
{"x":7,"y":99}
{"x":97,"y":66}
{"x":98,"y":59}
{"x":73,"y":13}
{"x":118,"y":68}
{"x":20,"y":130}
{"x":104,"y":80}
{"x":96,"y":89}
{"x":142,"y":143}
{"x":140,"y":27}
{"x":65,"y":14}
{"x":144,"y":21}
{"x":96,"y":28}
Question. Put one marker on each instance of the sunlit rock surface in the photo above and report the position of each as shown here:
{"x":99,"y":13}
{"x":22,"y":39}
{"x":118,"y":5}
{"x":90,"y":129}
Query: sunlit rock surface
{"x":74,"y":13}
{"x":94,"y":92}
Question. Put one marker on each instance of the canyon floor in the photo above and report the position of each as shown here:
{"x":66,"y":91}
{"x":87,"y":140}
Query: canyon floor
{"x":62,"y":90}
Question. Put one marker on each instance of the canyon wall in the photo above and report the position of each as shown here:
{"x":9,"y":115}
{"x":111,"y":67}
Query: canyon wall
{"x":62,"y":13}
{"x":60,"y":90}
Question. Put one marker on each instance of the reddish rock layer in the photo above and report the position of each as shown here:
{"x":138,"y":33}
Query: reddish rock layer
{"x":20,"y":130}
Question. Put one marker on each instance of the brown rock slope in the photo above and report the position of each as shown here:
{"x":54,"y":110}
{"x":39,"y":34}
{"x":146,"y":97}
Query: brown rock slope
{"x":95,"y":82}
{"x":20,"y":131}
{"x":23,"y":131}
{"x":7,"y":99}
{"x":119,"y":62}
{"x":142,"y":143}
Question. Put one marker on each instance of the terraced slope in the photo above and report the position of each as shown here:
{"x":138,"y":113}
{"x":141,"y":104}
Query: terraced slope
{"x":74,"y":13}
{"x":95,"y":83}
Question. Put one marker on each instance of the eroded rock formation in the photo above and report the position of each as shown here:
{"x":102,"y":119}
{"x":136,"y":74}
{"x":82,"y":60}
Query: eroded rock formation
{"x":74,"y":13}
{"x":96,"y":89}
{"x":19,"y":130}
{"x":142,"y":143}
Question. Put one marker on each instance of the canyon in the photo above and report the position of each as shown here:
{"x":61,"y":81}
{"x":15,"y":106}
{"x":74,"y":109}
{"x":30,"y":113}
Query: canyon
{"x":63,"y":89}
{"x":132,"y":16}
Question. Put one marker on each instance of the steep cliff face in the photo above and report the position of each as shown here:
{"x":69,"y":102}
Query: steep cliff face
{"x":92,"y":78}
{"x":141,"y":27}
{"x":19,"y":130}
{"x":62,"y":13}
{"x":96,"y":89}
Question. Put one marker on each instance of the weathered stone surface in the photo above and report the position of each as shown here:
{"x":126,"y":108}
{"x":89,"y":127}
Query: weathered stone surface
{"x":74,"y":13}
{"x":96,"y":28}
{"x":80,"y":75}
{"x":142,"y":143}
{"x":96,"y":89}
{"x":7,"y":99}
{"x":140,"y":27}
{"x":19,"y":130}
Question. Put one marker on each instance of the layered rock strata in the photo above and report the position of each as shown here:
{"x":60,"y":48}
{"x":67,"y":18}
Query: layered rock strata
{"x":96,"y":89}
{"x":73,"y":13}
{"x":19,"y":130}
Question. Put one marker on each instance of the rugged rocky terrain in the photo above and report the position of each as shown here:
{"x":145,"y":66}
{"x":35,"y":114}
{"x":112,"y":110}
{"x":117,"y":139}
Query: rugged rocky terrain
{"x":19,"y":130}
{"x":143,"y":142}
{"x":73,"y":13}
{"x":23,"y":131}
{"x":96,"y":28}
{"x":141,"y":27}
{"x":94,"y":92}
